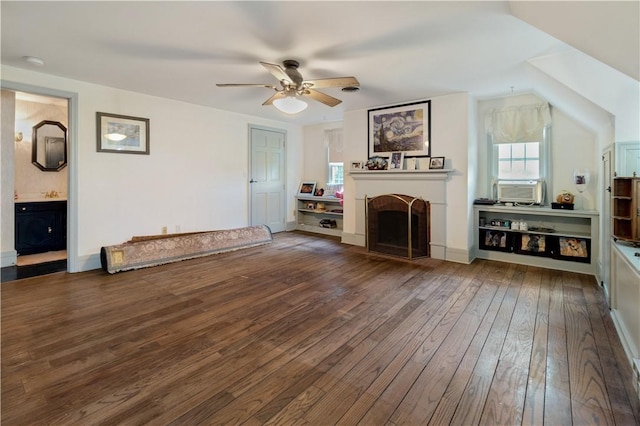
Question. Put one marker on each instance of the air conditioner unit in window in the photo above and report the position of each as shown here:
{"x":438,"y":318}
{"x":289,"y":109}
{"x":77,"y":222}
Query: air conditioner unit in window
{"x":522,"y":192}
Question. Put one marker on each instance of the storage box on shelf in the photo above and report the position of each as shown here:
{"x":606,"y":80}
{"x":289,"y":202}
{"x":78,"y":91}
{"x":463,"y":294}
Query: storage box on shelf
{"x":319,"y":214}
{"x":625,"y":200}
{"x":538,"y":236}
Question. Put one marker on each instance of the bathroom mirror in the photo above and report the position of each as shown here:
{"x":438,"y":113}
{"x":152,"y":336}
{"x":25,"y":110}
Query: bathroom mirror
{"x":49,"y":146}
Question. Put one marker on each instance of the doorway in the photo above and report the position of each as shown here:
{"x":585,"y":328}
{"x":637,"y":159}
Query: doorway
{"x":40,"y":196}
{"x":267,"y":177}
{"x":605,"y":241}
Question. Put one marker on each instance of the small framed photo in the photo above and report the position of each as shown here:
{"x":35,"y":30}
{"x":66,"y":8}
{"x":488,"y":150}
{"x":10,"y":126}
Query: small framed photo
{"x":122,"y":134}
{"x":395,"y":160}
{"x":533,"y":244}
{"x":496,"y":239}
{"x":436,"y":163}
{"x":574,"y":249}
{"x":356,"y":165}
{"x":307,"y":188}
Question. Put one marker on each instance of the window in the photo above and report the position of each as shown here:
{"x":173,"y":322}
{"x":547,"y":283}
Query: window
{"x":518,"y":161}
{"x":336,"y":173}
{"x":335,"y":162}
{"x":519,"y":142}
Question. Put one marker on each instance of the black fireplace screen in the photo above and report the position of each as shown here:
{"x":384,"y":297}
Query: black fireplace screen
{"x":398,"y":225}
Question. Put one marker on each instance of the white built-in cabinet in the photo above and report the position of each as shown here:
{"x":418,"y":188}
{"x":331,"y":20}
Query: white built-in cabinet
{"x":552,"y":238}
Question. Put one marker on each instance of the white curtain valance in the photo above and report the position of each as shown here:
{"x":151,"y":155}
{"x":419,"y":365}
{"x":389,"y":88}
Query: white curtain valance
{"x":333,"y":139}
{"x":522,"y":123}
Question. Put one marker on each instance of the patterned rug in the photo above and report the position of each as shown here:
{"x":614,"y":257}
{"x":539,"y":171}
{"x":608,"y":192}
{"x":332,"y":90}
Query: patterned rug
{"x":143,"y":252}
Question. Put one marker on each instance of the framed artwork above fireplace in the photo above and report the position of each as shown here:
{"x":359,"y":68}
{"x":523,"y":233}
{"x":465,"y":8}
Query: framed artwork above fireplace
{"x":402,"y":128}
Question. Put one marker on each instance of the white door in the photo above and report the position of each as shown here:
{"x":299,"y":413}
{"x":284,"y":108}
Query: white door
{"x":267,"y":178}
{"x":606,"y":222}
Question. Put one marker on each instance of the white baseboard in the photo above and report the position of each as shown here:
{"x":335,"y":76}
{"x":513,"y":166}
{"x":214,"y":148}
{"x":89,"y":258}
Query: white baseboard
{"x":8,"y":258}
{"x":88,"y":262}
{"x":290,"y":226}
{"x":458,"y":255}
{"x":354,"y":239}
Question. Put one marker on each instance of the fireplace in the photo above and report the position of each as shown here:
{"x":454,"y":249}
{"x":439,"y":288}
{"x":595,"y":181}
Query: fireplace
{"x":398,"y":225}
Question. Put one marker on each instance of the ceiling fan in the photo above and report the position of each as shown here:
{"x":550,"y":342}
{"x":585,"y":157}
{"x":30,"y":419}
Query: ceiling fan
{"x":293,"y":85}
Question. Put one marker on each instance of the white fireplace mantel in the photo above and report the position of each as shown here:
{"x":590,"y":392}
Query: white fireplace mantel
{"x":438,"y":174}
{"x":430,"y":185}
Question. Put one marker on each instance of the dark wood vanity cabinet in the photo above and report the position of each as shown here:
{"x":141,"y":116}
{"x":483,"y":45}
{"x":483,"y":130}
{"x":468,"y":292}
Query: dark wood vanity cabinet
{"x":41,"y":227}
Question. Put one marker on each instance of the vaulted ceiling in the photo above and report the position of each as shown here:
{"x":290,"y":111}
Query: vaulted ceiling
{"x":399,"y":51}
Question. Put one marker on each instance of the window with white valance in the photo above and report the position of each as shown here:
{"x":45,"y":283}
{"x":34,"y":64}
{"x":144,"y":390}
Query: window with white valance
{"x":520,"y":123}
{"x":519,"y":141}
{"x":333,"y":141}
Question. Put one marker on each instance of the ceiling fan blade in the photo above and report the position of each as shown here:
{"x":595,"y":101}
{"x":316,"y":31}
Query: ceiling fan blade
{"x":333,"y":82}
{"x":321,"y":97}
{"x":268,"y":86}
{"x":275,"y":96}
{"x":277,"y":71}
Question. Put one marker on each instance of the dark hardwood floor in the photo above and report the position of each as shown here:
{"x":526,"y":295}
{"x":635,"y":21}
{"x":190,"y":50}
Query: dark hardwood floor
{"x":309,"y":331}
{"x":12,"y":273}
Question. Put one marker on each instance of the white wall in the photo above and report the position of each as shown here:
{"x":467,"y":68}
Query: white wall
{"x":450,"y":139}
{"x":196,"y":176}
{"x":573,"y":145}
{"x":7,"y":212}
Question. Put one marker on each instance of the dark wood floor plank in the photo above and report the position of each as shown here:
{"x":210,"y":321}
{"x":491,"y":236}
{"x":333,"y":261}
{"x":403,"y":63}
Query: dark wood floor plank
{"x":449,"y":402}
{"x":473,"y":400}
{"x":505,"y":402}
{"x":557,"y":391}
{"x":310,"y":331}
{"x":589,"y":399}
{"x":374,"y":404}
{"x":534,"y":401}
{"x":615,"y":374}
{"x":391,"y":386}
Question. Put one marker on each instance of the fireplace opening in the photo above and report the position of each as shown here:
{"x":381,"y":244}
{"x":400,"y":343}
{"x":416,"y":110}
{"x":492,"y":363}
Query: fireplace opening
{"x":398,"y":225}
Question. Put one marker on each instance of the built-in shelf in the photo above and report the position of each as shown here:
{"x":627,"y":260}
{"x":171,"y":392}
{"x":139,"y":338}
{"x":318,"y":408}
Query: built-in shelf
{"x":554,"y":238}
{"x":309,"y":217}
{"x":625,"y":206}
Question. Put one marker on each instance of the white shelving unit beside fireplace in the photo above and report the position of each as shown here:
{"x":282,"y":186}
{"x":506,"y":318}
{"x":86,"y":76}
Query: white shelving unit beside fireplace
{"x":309,"y":216}
{"x":570,"y":237}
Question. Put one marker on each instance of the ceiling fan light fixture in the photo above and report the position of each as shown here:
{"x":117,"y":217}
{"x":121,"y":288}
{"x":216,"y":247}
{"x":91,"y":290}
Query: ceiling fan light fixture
{"x":350,"y":89}
{"x":290,"y":105}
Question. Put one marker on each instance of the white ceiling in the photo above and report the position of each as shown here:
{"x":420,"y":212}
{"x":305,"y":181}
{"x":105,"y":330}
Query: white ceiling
{"x":399,"y":51}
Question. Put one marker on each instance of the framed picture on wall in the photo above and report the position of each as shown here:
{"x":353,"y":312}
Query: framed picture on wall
{"x":122,"y":134}
{"x":405,"y":128}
